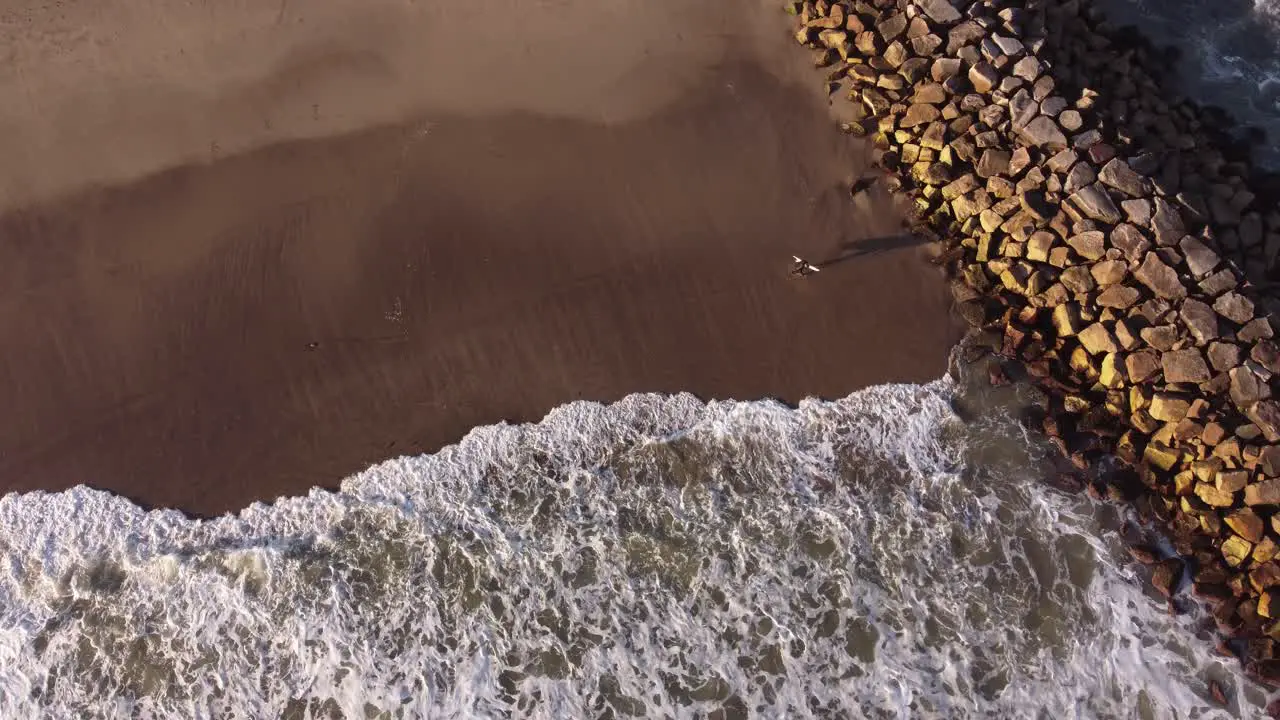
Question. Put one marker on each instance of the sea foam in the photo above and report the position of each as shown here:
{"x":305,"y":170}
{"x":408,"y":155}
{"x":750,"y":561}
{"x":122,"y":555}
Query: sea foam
{"x":873,"y":556}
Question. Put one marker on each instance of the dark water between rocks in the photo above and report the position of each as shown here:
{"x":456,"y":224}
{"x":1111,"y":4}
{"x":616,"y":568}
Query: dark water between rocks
{"x":1230,"y":55}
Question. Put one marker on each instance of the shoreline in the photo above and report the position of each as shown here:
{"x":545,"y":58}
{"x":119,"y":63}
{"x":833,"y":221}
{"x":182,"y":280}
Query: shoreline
{"x":255,"y":327}
{"x":1095,"y":229}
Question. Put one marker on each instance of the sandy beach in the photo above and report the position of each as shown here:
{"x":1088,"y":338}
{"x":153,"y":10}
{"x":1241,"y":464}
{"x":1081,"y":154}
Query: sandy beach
{"x":201,"y":311}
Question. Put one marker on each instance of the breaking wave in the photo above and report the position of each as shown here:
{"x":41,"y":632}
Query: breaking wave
{"x":874,"y":556}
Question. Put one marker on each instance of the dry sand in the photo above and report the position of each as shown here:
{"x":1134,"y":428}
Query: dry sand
{"x":248,"y":250}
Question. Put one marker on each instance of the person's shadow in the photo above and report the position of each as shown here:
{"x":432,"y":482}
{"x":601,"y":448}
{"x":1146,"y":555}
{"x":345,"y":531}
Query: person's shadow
{"x":851,"y":249}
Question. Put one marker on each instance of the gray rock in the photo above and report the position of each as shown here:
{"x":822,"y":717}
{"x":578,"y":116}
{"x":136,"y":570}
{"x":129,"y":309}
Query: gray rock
{"x":1266,"y":415}
{"x":1042,"y":88}
{"x":1039,"y":245}
{"x":984,"y":77}
{"x":875,"y":100}
{"x":1062,"y":161}
{"x":1097,"y":339}
{"x":1091,"y":245}
{"x":1085,"y":140}
{"x":1234,"y":307}
{"x":1022,"y":109}
{"x":934,"y":137}
{"x":895,"y":54}
{"x":1255,"y":329}
{"x":944,"y":69}
{"x":1130,"y":241}
{"x":1155,"y":311}
{"x":1120,"y":176}
{"x":893,"y":26}
{"x":1160,"y":337}
{"x":1200,"y":319}
{"x":939,"y":11}
{"x":1028,"y":68}
{"x":1223,"y":356}
{"x":919,"y":114}
{"x":1043,"y":132}
{"x":925,"y":45}
{"x":962,"y":185}
{"x":1167,"y":221}
{"x":1070,"y":120}
{"x":1141,"y":365}
{"x":1266,"y":492}
{"x":932,"y":93}
{"x":1160,"y":278}
{"x":1081,"y":175}
{"x":1077,"y":279}
{"x":1181,"y":366}
{"x":993,"y":163}
{"x":1009,"y":46}
{"x":1138,"y":211}
{"x":1218,"y":283}
{"x":1018,"y":161}
{"x":1053,"y":105}
{"x":1245,"y":388}
{"x":1200,"y":258}
{"x":1093,"y":201}
{"x":992,"y":115}
{"x":963,"y":34}
{"x":1109,"y":272}
{"x":1266,"y":354}
{"x":1009,"y":84}
{"x":918,"y":27}
{"x":1118,"y":296}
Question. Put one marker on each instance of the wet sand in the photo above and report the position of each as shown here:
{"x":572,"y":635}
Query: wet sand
{"x":205,"y":333}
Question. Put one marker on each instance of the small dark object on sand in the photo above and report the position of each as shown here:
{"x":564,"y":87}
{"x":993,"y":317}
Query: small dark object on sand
{"x":312,"y":346}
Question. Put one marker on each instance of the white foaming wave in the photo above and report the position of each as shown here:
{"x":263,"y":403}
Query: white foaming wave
{"x":657,"y":556}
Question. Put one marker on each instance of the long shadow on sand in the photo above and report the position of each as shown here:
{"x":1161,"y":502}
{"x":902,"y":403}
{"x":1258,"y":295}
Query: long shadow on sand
{"x":851,"y":249}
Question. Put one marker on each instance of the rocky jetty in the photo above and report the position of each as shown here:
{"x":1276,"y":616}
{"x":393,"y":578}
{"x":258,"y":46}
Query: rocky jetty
{"x":1117,"y":239}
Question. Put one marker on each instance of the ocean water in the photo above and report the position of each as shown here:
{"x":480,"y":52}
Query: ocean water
{"x":1230,"y":55}
{"x":876,"y":556}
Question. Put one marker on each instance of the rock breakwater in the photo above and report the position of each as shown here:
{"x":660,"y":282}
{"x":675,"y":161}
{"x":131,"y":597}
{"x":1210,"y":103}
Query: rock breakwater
{"x":1119,"y":242}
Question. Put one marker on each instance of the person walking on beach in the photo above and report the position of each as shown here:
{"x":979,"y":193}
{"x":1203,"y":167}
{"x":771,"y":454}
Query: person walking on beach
{"x":802,"y":267}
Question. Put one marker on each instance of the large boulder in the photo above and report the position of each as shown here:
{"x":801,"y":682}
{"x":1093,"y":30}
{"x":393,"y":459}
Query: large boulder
{"x":1234,"y":307}
{"x":1129,"y":240}
{"x":1266,"y":492}
{"x":919,"y":114}
{"x":1093,"y":201}
{"x":1201,"y":259}
{"x":1160,"y":278}
{"x":1043,"y":132}
{"x":1184,"y":366}
{"x":1266,"y":415}
{"x":1245,"y":523}
{"x":1097,"y":339}
{"x":939,"y":11}
{"x":984,"y":77}
{"x":1120,"y":176}
{"x":1200,"y":319}
{"x":1141,"y":365}
{"x":1119,"y":296}
{"x":1090,"y":245}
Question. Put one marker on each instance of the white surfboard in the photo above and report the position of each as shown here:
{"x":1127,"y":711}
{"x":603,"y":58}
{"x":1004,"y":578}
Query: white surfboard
{"x":805,"y":265}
